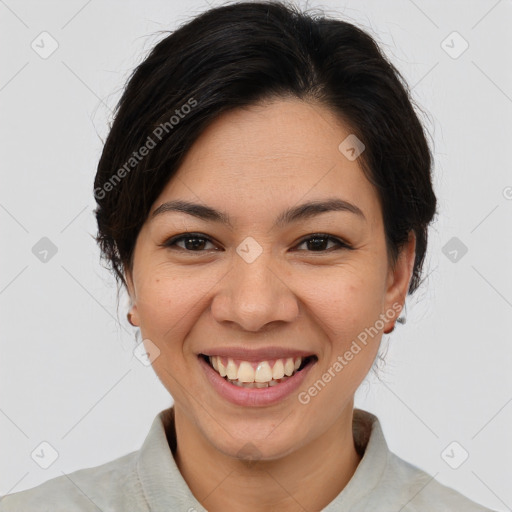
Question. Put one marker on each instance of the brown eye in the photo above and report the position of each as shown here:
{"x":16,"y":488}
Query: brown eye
{"x":197,"y":242}
{"x":318,"y":242}
{"x":192,"y":242}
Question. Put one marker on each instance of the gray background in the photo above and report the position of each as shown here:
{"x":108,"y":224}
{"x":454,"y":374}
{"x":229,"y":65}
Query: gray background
{"x":68,"y":375}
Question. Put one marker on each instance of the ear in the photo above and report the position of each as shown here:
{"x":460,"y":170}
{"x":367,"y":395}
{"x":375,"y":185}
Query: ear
{"x":398,"y":281}
{"x":133,"y":302}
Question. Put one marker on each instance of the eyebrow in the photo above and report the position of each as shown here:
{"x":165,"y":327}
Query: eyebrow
{"x":300,"y":212}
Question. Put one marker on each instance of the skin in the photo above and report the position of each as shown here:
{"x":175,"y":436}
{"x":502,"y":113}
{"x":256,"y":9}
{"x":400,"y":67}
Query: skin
{"x":253,"y":164}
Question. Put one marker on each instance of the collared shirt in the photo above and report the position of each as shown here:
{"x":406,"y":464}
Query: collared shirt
{"x":149,"y":480}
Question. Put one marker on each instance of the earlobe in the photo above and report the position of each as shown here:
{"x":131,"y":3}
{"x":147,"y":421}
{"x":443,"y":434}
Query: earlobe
{"x":132,"y":316}
{"x":399,"y":281}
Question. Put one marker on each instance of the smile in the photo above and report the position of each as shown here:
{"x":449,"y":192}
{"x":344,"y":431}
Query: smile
{"x":243,"y":389}
{"x":261,"y":374}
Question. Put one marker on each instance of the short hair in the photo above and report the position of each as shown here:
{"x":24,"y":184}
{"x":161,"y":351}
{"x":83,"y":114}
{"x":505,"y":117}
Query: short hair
{"x":244,"y":54}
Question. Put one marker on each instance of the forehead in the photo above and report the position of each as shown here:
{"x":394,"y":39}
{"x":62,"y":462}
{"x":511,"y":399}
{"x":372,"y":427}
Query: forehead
{"x":277,"y":132}
{"x":277,"y":153}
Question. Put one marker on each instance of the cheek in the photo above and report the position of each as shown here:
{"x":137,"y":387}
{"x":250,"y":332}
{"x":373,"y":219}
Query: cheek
{"x":165,"y":305}
{"x":343,"y":303}
{"x":345,"y":310}
{"x":156,"y":303}
{"x":168,"y":303}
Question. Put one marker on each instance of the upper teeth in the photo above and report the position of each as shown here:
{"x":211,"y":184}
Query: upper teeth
{"x":244,"y":371}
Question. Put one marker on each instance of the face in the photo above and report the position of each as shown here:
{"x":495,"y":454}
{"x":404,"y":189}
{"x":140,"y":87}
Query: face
{"x":266,"y":286}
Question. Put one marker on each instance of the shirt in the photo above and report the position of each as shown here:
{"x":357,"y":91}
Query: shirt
{"x":149,"y":480}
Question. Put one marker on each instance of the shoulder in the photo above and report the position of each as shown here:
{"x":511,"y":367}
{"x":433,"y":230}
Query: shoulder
{"x":110,"y":486}
{"x":385,"y":482}
{"x":417,"y":491}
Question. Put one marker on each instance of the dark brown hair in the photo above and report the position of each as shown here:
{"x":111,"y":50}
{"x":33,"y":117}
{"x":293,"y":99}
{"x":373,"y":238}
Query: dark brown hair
{"x":242,"y":54}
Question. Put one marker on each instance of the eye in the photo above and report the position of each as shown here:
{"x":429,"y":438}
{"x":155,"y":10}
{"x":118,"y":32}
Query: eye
{"x":318,"y":241}
{"x":196,"y":242}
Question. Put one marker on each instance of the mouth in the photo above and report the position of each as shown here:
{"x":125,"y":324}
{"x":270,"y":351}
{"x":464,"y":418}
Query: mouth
{"x":258,"y":374}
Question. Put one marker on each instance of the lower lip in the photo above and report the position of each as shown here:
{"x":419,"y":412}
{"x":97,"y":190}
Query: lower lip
{"x":254,"y":397}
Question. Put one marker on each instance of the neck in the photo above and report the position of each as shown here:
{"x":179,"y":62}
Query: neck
{"x":309,"y":478}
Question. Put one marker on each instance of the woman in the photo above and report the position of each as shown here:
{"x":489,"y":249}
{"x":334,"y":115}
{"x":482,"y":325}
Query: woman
{"x":264,"y":195}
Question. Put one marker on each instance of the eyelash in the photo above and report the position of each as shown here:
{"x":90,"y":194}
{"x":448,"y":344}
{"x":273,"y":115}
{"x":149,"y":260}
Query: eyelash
{"x":169,"y":243}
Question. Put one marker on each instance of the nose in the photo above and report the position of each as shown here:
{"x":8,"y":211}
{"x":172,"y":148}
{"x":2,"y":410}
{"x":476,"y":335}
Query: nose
{"x":254,"y":295}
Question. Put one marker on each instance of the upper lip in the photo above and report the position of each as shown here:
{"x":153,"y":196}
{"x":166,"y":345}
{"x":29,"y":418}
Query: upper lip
{"x":260,"y":354}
